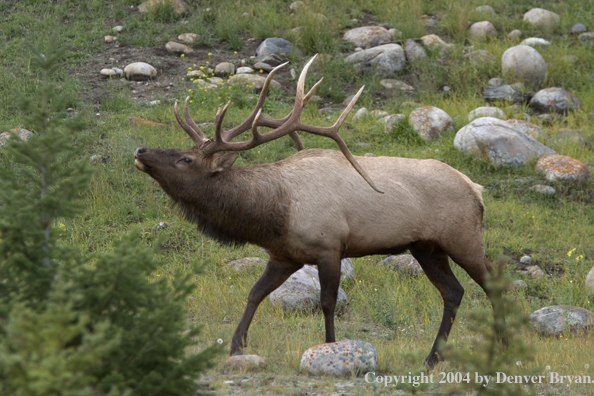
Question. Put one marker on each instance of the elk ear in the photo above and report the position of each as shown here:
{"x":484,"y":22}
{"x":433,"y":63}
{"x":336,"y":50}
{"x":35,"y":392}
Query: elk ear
{"x":222,"y":161}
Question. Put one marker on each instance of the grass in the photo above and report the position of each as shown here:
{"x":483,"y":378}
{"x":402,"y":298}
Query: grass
{"x":384,"y":309}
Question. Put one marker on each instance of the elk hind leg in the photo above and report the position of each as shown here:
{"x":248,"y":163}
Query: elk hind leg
{"x":434,"y":262}
{"x":276,"y":273}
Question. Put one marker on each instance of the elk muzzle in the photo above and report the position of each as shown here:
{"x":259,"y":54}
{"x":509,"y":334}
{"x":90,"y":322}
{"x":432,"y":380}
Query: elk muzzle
{"x":137,"y":161}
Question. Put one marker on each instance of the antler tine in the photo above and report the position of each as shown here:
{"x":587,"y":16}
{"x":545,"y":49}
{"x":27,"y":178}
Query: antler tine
{"x":191,"y":132}
{"x":191,"y":122}
{"x":219,"y":122}
{"x":299,"y":98}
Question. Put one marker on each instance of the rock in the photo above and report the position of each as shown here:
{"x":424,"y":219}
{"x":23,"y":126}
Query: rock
{"x":140,"y":71}
{"x":386,"y":59}
{"x":541,"y":17}
{"x":586,"y":38}
{"x":575,"y":137}
{"x":245,"y":263}
{"x":108,"y":39}
{"x":481,"y":56}
{"x":414,"y":52}
{"x":162,"y":225}
{"x":482,"y":30}
{"x":360,"y":114}
{"x":179,"y":7}
{"x":178,"y":48}
{"x":517,"y":285}
{"x":255,"y":81}
{"x":578,"y":28}
{"x":21,"y":132}
{"x":244,"y":70}
{"x":485,"y":9}
{"x":117,"y":29}
{"x":244,"y":363}
{"x":514,"y":35}
{"x":274,"y":51}
{"x":109,"y":73}
{"x":543,"y":189}
{"x":405,"y":264}
{"x":533,"y":271}
{"x":559,"y":319}
{"x":395,"y":33}
{"x":562,"y":168}
{"x":396,"y":85}
{"x":486,"y":112}
{"x":263,"y":67}
{"x":434,"y":41}
{"x":535,"y":42}
{"x":498,"y":142}
{"x":503,"y":92}
{"x":524,"y":64}
{"x":430,"y":122}
{"x":496,"y":82}
{"x":526,"y":260}
{"x":590,"y":281}
{"x":203,"y":84}
{"x":368,"y":36}
{"x":343,"y":358}
{"x":378,"y":113}
{"x":224,"y":69}
{"x":555,"y":100}
{"x":188,"y":38}
{"x":527,"y":128}
{"x":301,"y":293}
{"x":391,"y":121}
{"x":196,"y":74}
{"x":294,"y":6}
{"x":347,"y":269}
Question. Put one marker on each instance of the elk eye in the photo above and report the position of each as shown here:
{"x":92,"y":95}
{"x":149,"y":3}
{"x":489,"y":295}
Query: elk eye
{"x":187,"y":160}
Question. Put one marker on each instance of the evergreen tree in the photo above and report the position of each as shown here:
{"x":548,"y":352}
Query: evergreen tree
{"x":78,"y":325}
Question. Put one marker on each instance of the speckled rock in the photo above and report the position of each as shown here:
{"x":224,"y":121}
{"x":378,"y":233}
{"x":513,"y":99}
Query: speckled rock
{"x":391,"y":121}
{"x":555,"y":100}
{"x":543,"y":189}
{"x":535,"y":42}
{"x":301,"y":293}
{"x":188,"y":38}
{"x":368,"y":36}
{"x":523,"y":63}
{"x":486,"y":112}
{"x":392,"y":86}
{"x":254,"y":81}
{"x":586,"y":38}
{"x":482,"y":30}
{"x":559,"y":319}
{"x":414,"y":51}
{"x":343,"y":358}
{"x":224,"y":69}
{"x":21,"y":132}
{"x":563,"y":168}
{"x":590,"y":281}
{"x":480,"y":56}
{"x":498,"y":142}
{"x":243,"y":363}
{"x":541,"y":17}
{"x":385,"y":59}
{"x":527,"y":128}
{"x":275,"y":50}
{"x":140,"y":71}
{"x":177,"y":48}
{"x":245,"y":263}
{"x":434,"y":41}
{"x":179,"y":6}
{"x":430,"y":122}
{"x":404,"y":264}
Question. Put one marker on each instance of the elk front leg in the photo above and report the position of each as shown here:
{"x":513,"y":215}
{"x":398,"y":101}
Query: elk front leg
{"x":277,"y":271}
{"x":329,"y":272}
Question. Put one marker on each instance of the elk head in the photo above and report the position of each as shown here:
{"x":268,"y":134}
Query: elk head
{"x":208,"y":156}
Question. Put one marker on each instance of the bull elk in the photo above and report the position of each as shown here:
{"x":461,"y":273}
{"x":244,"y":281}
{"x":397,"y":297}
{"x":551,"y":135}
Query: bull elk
{"x":315,"y":207}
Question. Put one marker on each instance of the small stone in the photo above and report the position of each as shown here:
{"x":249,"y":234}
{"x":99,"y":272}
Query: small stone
{"x":263,"y":66}
{"x":526,"y":260}
{"x":360,"y":114}
{"x":117,"y":29}
{"x":414,"y":52}
{"x":535,"y":42}
{"x":434,"y":41}
{"x":224,"y":69}
{"x":243,"y":363}
{"x":21,"y":132}
{"x":178,"y":48}
{"x":514,"y":35}
{"x":255,"y":81}
{"x":245,"y":263}
{"x":179,"y":7}
{"x":396,"y":85}
{"x":109,"y":39}
{"x":486,"y":112}
{"x":430,"y":122}
{"x":578,"y":28}
{"x":188,"y":38}
{"x":378,"y":113}
{"x":562,"y":168}
{"x":95,"y":159}
{"x":524,"y":64}
{"x":541,"y":17}
{"x":543,"y":189}
{"x":140,"y":71}
{"x":518,"y":284}
{"x":368,"y":36}
{"x":496,"y":82}
{"x":343,"y":358}
{"x":482,"y":30}
{"x":162,"y":225}
{"x":586,"y":38}
{"x":196,"y":73}
{"x":245,"y":70}
{"x":109,"y":73}
{"x":391,"y":121}
{"x":404,"y":264}
{"x":486,"y":9}
{"x":154,"y":102}
{"x":294,"y":6}
{"x":558,"y":319}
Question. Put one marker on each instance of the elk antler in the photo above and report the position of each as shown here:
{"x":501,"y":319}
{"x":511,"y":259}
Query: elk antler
{"x":190,"y":126}
{"x":285,"y":126}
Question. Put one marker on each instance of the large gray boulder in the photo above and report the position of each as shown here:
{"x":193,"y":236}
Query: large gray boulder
{"x":301,"y":293}
{"x":274,"y":51}
{"x":555,"y":100}
{"x":385,"y":59}
{"x":430,"y":122}
{"x":559,"y":319}
{"x":343,"y":358}
{"x":498,"y":142}
{"x":523,"y":63}
{"x":368,"y":36}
